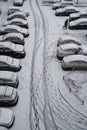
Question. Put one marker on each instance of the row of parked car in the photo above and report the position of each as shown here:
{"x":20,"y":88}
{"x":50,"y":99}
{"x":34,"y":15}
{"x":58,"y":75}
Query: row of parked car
{"x":12,"y":41}
{"x":77,"y":18}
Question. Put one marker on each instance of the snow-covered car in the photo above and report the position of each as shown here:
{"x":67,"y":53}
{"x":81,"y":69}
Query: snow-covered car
{"x":62,"y":4}
{"x":51,"y":1}
{"x":9,"y":78}
{"x":17,"y":21}
{"x":14,"y":9}
{"x":8,"y":96}
{"x":67,"y":39}
{"x":6,"y":117}
{"x":70,"y":49}
{"x":11,"y":49}
{"x":3,"y":128}
{"x":18,"y":2}
{"x":74,"y":62}
{"x":13,"y":29}
{"x":80,"y":14}
{"x":20,"y":15}
{"x":16,"y":38}
{"x":66,"y":11}
{"x":80,"y":23}
{"x":8,"y":63}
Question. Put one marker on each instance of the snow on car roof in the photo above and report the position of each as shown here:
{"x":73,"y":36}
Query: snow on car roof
{"x":73,"y":58}
{"x":69,"y":46}
{"x":17,"y":13}
{"x":74,"y":22}
{"x":7,"y":74}
{"x":13,"y":7}
{"x":67,"y":37}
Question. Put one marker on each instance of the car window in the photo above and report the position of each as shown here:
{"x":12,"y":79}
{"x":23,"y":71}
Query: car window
{"x":83,"y":23}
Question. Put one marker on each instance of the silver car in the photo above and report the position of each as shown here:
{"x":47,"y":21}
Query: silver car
{"x":16,"y":38}
{"x":8,"y":96}
{"x":70,"y":49}
{"x":11,"y":49}
{"x":13,"y":29}
{"x":75,"y":62}
{"x":66,"y":39}
{"x":17,"y":21}
{"x":9,"y":78}
{"x":6,"y":117}
{"x":14,"y":9}
{"x":8,"y":63}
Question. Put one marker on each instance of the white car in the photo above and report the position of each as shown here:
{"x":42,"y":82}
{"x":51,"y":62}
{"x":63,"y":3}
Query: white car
{"x":74,"y":62}
{"x":18,"y":14}
{"x":6,"y":117}
{"x":13,"y":29}
{"x":11,"y":49}
{"x":66,"y":39}
{"x":14,"y":9}
{"x":9,"y":78}
{"x":70,"y":49}
{"x":18,"y":2}
{"x":8,"y":96}
{"x":3,"y":128}
{"x":17,"y":21}
{"x":79,"y":24}
{"x":16,"y":38}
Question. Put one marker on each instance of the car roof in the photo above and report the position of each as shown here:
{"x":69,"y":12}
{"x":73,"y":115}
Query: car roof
{"x":67,"y":37}
{"x":69,"y":46}
{"x":73,"y":58}
{"x":7,"y":74}
{"x":17,"y":13}
{"x":6,"y":90}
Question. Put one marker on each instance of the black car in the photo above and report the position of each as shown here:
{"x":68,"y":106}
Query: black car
{"x":66,"y":11}
{"x":9,"y":78}
{"x":8,"y":63}
{"x":11,"y":49}
{"x":16,"y":38}
{"x":78,"y":15}
{"x":80,"y":24}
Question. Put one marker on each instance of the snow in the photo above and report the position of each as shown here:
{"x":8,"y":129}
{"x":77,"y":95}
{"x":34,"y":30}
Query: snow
{"x":78,"y":21}
{"x":69,"y":46}
{"x":51,"y":106}
{"x":73,"y":58}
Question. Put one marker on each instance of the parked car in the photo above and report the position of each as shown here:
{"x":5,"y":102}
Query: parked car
{"x":16,"y":38}
{"x":66,"y":11}
{"x":75,"y":62}
{"x":70,"y":49}
{"x":18,"y":2}
{"x":8,"y":63}
{"x":20,"y":15}
{"x":8,"y":96}
{"x":62,"y":5}
{"x":14,"y":9}
{"x":11,"y":49}
{"x":75,"y":16}
{"x":3,"y":128}
{"x":12,"y":29}
{"x":17,"y":21}
{"x":9,"y":78}
{"x":67,"y":39}
{"x":79,"y":24}
{"x":6,"y":117}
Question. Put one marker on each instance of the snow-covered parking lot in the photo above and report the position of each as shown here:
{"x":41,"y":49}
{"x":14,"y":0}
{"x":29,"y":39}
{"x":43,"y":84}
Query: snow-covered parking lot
{"x":45,"y":101}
